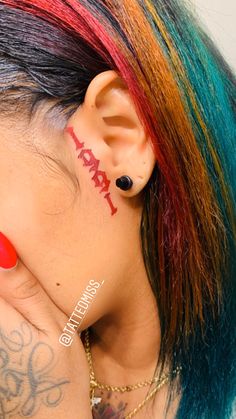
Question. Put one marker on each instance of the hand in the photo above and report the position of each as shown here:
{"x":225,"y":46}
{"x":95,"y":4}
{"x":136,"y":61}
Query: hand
{"x":39,"y":377}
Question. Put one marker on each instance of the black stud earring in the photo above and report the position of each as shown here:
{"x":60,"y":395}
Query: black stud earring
{"x":124,"y":182}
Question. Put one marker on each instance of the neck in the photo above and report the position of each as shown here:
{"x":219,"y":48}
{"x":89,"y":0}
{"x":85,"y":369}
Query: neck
{"x":125,"y":343}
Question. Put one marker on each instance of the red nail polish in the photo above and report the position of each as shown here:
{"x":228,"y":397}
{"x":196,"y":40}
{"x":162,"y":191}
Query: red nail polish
{"x":8,"y":255}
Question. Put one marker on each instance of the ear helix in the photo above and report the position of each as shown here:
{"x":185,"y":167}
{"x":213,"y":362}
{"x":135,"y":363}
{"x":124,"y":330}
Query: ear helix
{"x":124,"y":182}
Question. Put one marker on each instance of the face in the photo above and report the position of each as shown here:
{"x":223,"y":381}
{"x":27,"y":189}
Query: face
{"x":67,"y":225}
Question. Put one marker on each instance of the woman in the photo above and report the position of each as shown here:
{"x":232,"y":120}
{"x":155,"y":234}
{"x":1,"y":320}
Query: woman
{"x":117,"y":186}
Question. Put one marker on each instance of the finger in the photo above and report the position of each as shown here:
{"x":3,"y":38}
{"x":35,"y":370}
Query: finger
{"x":21,"y":289}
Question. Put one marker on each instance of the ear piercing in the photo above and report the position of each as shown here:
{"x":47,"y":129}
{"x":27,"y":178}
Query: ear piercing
{"x":124,"y":182}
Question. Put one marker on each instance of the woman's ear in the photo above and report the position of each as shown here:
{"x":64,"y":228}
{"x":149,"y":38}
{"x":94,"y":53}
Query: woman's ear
{"x":108,"y":125}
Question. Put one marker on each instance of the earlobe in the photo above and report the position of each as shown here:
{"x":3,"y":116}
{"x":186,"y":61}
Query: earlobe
{"x":109,"y":121}
{"x":124,"y":182}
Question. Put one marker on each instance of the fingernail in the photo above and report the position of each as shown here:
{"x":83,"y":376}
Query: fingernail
{"x":8,"y":255}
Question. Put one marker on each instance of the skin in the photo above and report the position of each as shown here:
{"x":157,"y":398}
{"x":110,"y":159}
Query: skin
{"x":65,"y":235}
{"x":22,"y":376}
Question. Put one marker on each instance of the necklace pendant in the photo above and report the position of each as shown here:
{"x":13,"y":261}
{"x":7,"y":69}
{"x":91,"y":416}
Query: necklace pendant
{"x":96,"y":400}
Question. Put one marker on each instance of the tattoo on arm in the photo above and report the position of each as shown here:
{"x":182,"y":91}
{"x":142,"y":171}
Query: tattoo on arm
{"x":25,"y":380}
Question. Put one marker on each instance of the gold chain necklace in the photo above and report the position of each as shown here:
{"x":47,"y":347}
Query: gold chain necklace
{"x":96,"y":384}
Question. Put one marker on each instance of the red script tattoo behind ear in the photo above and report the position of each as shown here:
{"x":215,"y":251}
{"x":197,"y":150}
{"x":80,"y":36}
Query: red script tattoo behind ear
{"x":100,"y":178}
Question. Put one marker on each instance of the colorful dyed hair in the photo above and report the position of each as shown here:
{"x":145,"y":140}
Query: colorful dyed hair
{"x":185,"y":95}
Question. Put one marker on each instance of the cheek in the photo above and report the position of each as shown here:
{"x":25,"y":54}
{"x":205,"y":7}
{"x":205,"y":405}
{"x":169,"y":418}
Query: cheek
{"x":37,"y":214}
{"x":34,"y":205}
{"x":15,"y":192}
{"x":65,"y":237}
{"x":53,"y":230}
